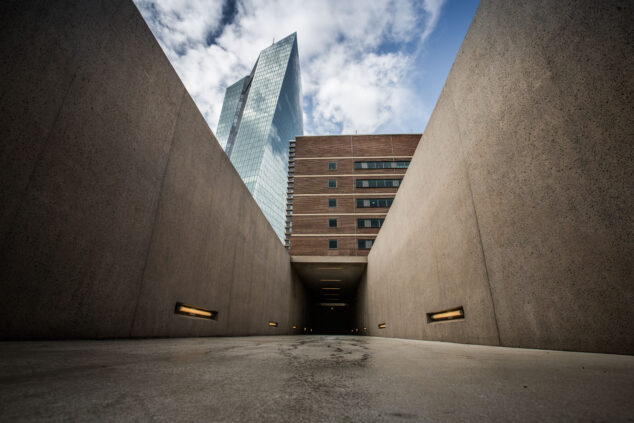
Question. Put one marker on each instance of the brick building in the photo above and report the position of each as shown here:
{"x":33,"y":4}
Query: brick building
{"x":340,"y":188}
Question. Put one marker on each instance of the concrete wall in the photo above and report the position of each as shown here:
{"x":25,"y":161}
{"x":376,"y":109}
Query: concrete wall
{"x":518,"y":202}
{"x":116,"y":199}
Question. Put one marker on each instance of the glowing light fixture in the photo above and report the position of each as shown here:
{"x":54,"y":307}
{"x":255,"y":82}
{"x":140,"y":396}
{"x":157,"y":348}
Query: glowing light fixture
{"x":294,"y":327}
{"x":382,"y":325}
{"x":193,"y":311}
{"x":451,"y":314}
{"x":273,"y":324}
{"x":329,"y":280}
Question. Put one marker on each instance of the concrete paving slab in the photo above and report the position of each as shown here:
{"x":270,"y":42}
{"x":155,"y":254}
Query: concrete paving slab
{"x":308,"y":378}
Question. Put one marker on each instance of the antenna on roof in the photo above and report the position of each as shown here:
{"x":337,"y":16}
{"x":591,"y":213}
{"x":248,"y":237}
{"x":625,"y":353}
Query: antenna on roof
{"x":273,"y":40}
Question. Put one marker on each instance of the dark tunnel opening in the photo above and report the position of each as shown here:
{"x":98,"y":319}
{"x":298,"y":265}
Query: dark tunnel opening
{"x":332,"y":288}
{"x":330,"y":316}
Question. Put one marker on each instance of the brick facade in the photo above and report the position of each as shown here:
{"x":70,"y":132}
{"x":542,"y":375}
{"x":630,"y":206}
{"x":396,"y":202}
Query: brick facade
{"x":308,"y":212}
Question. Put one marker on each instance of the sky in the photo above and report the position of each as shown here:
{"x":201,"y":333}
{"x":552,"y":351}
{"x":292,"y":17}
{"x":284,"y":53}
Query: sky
{"x":368,"y":66}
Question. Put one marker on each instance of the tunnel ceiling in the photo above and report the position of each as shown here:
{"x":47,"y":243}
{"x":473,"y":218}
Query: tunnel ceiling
{"x":330,"y":279}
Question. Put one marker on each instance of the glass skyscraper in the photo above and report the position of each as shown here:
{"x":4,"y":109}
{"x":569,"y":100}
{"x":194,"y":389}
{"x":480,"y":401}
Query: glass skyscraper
{"x":260,"y":114}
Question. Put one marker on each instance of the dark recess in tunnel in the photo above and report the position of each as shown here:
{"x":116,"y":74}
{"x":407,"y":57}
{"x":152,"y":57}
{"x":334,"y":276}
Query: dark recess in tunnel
{"x":332,"y":317}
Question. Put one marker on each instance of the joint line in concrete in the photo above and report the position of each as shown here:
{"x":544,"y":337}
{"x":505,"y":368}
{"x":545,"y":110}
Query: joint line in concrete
{"x":156,"y":212}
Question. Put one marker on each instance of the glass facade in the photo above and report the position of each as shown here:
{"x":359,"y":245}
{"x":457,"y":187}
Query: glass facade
{"x":260,"y":114}
{"x":230,"y":111}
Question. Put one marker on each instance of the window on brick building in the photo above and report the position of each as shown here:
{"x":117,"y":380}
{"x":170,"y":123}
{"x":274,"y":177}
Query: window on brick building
{"x":365,"y":244}
{"x":332,"y":202}
{"x":374,"y":202}
{"x":370,"y":223}
{"x":378,"y":183}
{"x":381,"y":165}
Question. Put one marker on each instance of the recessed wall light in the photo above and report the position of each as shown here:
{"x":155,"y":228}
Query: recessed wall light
{"x":450,"y":314}
{"x":331,"y":289}
{"x":273,"y":324}
{"x":329,"y":280}
{"x":382,"y":325}
{"x":193,"y":311}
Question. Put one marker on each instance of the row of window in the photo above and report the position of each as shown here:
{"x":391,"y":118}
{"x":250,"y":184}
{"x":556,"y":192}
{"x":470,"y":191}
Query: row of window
{"x":374,"y":165}
{"x":374,"y":202}
{"x":361,"y":223}
{"x":377,"y":183}
{"x":370,"y":183}
{"x":366,"y":202}
{"x":381,"y":165}
{"x":362,"y":244}
{"x":370,"y":223}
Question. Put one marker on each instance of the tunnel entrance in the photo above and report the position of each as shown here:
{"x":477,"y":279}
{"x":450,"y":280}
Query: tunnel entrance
{"x":332,"y":317}
{"x":331,"y":285}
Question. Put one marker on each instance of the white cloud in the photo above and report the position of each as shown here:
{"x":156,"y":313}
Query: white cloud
{"x":355,"y":55}
{"x":432,"y":13}
{"x":360,"y":95}
{"x":179,"y":24}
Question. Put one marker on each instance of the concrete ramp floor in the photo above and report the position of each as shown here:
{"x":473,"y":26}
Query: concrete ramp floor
{"x":308,"y":378}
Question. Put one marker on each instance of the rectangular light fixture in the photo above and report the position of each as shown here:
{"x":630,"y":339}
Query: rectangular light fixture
{"x":273,"y":324}
{"x":331,"y":289}
{"x":382,"y":325}
{"x":294,"y":327}
{"x":444,"y":315}
{"x":329,"y":280}
{"x":193,"y":311}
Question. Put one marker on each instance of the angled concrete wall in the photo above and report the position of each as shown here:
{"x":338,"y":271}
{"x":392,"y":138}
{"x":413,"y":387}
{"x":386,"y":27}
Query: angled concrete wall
{"x":116,"y":199}
{"x":518,"y":202}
